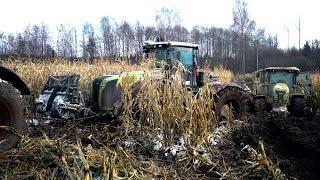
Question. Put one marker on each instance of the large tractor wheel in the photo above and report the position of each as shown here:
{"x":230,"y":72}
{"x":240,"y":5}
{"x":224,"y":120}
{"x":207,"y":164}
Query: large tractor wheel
{"x":297,"y":106}
{"x":12,"y":119}
{"x":260,"y":105}
{"x":232,"y":98}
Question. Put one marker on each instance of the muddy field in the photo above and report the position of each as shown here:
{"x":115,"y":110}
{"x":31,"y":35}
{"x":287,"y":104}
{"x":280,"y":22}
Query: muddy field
{"x":103,"y":150}
{"x":292,"y":143}
{"x":178,"y":137}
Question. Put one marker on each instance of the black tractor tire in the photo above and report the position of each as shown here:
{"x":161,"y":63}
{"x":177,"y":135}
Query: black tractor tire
{"x":260,"y":105}
{"x":297,"y":106}
{"x":11,"y":116}
{"x":236,"y":97}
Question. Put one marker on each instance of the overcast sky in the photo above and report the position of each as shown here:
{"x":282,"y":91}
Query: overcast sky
{"x":273,"y":15}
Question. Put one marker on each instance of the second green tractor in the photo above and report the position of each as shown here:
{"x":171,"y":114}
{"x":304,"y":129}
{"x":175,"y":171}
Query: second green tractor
{"x":282,"y":88}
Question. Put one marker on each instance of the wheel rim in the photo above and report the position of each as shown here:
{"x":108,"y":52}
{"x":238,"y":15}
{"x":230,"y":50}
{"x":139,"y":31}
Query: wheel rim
{"x":5,"y":119}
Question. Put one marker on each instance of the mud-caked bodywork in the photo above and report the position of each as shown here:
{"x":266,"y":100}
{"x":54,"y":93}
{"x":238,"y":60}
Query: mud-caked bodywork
{"x":282,"y":87}
{"x":61,"y":97}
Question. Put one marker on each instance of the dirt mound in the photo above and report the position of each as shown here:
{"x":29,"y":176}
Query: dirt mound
{"x":292,"y":143}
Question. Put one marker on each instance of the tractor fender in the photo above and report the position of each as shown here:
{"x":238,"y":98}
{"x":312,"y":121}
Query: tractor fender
{"x":12,"y":78}
{"x":240,"y":99}
{"x":222,"y":88}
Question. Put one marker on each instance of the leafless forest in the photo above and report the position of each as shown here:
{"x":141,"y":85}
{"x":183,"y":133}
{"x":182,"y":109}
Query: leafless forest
{"x":85,"y":102}
{"x":243,"y":47}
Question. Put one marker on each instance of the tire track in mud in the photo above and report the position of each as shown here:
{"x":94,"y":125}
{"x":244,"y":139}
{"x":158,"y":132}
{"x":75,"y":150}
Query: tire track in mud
{"x":292,"y":143}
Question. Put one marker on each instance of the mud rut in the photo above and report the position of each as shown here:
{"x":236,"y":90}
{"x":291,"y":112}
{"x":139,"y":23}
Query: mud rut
{"x":292,"y":143}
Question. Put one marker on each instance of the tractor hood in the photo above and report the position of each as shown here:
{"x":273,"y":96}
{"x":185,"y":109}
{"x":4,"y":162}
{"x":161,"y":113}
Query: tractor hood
{"x":107,"y":91}
{"x":280,"y":95}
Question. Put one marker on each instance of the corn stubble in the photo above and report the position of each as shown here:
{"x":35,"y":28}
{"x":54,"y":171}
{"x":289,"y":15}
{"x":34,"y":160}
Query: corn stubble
{"x":167,"y":105}
{"x":69,"y":150}
{"x":315,"y":100}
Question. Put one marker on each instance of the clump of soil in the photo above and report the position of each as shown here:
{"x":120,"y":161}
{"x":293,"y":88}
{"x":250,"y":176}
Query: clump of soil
{"x":292,"y":143}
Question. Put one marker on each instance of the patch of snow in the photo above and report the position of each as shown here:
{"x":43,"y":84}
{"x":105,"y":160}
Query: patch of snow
{"x":158,"y":140}
{"x":217,"y":134}
{"x":177,"y":150}
{"x":33,"y":121}
{"x":129,"y":143}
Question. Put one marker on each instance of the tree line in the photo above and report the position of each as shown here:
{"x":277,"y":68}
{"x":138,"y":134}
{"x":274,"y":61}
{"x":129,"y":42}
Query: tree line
{"x":243,"y":47}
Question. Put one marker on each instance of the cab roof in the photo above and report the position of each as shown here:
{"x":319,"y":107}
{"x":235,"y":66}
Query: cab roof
{"x":290,"y":69}
{"x":154,"y":44}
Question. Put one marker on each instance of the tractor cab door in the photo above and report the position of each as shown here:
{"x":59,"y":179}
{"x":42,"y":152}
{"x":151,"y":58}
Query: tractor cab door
{"x":304,"y":81}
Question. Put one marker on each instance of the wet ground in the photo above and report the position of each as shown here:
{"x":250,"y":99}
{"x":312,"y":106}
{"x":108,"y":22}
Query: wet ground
{"x":292,"y":143}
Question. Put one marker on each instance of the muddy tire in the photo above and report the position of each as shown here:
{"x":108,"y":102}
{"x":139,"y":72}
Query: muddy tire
{"x":260,"y":105}
{"x":11,"y":115}
{"x":298,"y":106}
{"x":232,"y":96}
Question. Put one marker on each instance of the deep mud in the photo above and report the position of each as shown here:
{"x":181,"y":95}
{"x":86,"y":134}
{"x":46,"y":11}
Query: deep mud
{"x":292,"y":143}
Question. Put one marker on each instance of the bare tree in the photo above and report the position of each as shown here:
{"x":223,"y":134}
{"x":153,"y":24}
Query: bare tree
{"x":126,"y":38}
{"x":258,"y":37}
{"x":150,"y":33}
{"x":2,"y":43}
{"x":166,"y":19}
{"x":243,"y":27}
{"x":106,"y":36}
{"x":195,"y":34}
{"x":21,"y":46}
{"x":88,"y":42}
{"x":65,"y":42}
{"x":139,"y":38}
{"x":44,"y":36}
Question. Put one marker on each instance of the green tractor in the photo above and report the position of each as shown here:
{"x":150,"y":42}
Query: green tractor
{"x":12,"y":119}
{"x":284,"y":88}
{"x":227,"y":95}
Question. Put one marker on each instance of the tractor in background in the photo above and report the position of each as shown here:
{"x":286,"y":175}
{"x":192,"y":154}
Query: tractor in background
{"x":282,"y":88}
{"x":12,"y":115}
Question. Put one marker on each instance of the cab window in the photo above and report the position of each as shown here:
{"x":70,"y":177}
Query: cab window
{"x":185,"y":55}
{"x":161,"y":54}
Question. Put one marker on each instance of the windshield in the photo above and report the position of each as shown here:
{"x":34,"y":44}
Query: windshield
{"x":185,"y":55}
{"x":281,"y":77}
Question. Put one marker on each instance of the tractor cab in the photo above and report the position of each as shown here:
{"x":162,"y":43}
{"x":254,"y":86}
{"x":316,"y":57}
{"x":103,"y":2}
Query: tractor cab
{"x":176,"y":54}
